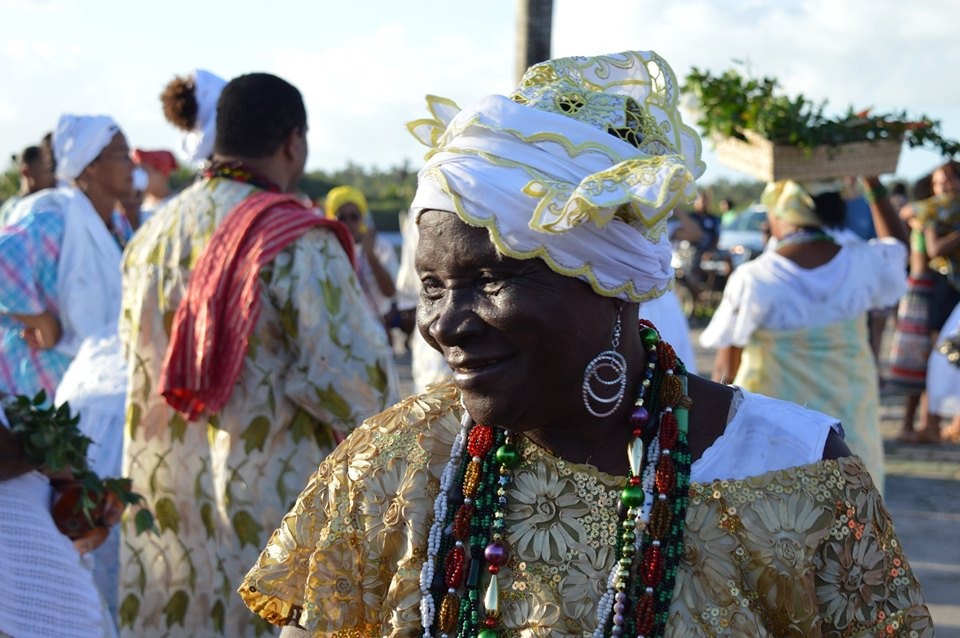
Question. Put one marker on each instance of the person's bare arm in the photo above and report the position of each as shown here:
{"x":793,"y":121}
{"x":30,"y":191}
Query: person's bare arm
{"x":12,"y":461}
{"x":726,"y":364}
{"x":941,"y":245}
{"x":886,"y":221}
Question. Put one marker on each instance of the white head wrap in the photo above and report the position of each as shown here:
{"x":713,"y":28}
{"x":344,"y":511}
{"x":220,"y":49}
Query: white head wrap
{"x":78,"y":140}
{"x":580,"y":167}
{"x":198,"y":144}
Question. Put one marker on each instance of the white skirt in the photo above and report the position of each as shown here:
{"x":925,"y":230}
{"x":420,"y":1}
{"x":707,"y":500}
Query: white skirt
{"x":45,"y":590}
{"x":95,"y":385}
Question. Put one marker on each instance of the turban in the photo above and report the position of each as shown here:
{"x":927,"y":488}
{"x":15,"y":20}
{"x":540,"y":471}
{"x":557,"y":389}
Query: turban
{"x":789,"y":201}
{"x":198,"y":144}
{"x":78,"y":140}
{"x":162,"y":161}
{"x":341,"y":195}
{"x":580,"y":167}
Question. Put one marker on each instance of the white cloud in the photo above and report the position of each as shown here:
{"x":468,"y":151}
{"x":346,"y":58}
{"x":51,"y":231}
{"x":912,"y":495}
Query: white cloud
{"x":364,"y":67}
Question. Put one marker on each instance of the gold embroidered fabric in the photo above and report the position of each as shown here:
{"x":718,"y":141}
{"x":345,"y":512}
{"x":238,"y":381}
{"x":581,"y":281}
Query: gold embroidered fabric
{"x":808,"y":551}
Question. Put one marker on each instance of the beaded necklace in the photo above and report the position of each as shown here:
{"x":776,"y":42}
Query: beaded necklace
{"x":239,"y":172}
{"x":468,"y":531}
{"x":804,"y":236}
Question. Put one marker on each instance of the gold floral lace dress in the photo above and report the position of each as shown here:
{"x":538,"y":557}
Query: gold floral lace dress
{"x":808,"y":551}
{"x":317,"y":361}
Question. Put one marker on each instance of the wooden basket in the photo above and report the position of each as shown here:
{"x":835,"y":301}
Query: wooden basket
{"x":769,"y":162}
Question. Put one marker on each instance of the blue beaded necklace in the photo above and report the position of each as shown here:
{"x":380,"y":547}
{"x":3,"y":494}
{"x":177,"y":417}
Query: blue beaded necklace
{"x":468,"y":536}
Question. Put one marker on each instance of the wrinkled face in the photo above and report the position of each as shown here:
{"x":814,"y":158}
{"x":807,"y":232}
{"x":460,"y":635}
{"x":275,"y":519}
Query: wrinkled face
{"x":945,"y":182}
{"x":113,"y":168}
{"x":516,"y":335}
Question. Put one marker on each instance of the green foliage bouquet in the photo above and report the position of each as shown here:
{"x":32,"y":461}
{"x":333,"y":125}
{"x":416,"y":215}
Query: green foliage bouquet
{"x":52,"y":441}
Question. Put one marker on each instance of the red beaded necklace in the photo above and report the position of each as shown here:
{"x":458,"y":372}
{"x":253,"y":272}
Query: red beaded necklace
{"x":473,"y":499}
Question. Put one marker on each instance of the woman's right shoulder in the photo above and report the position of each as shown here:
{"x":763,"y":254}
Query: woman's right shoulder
{"x":417,"y":431}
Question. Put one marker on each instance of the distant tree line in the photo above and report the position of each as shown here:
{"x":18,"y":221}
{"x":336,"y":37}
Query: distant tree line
{"x":391,"y":190}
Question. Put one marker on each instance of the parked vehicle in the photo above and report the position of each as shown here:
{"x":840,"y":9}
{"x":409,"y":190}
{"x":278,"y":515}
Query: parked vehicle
{"x":745,"y":235}
{"x":700,"y":279}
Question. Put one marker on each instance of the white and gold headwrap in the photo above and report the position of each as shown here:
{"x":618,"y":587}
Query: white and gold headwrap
{"x":580,"y":167}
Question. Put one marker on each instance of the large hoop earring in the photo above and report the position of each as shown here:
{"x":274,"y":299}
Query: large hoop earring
{"x":609,"y":370}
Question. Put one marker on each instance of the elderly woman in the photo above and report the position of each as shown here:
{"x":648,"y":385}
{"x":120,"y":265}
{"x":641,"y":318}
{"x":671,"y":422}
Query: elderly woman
{"x":573,"y":479}
{"x":792,"y":323}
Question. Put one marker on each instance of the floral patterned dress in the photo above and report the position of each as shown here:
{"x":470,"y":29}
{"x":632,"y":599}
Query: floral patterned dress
{"x":317,"y":363}
{"x":805,"y":551}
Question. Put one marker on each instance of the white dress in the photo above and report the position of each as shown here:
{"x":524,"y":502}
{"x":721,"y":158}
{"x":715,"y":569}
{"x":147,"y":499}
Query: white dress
{"x":804,"y":333}
{"x":95,"y":386}
{"x":45,"y":590}
{"x":774,"y":293}
{"x":943,"y":377}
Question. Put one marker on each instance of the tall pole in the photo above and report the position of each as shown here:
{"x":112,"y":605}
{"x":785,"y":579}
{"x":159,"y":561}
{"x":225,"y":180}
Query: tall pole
{"x":534,"y":29}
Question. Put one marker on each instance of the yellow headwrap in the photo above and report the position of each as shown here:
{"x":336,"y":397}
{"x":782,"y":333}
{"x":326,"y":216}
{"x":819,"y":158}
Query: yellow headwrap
{"x":341,"y":195}
{"x":787,"y":200}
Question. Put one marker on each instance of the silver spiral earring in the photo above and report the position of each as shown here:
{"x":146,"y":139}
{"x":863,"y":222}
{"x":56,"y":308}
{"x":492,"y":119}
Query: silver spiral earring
{"x":609,"y":371}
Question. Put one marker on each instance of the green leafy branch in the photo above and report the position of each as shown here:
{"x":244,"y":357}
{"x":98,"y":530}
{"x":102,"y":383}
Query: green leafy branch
{"x":731,"y":103}
{"x":51,"y":439}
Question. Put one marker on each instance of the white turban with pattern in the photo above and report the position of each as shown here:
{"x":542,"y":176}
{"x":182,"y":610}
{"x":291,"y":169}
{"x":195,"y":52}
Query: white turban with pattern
{"x":580,"y":167}
{"x":78,"y":140}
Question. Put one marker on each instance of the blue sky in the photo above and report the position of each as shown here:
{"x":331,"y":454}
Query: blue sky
{"x":365,"y":65}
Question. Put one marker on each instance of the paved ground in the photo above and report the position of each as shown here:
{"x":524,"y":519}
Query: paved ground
{"x":923,"y":496}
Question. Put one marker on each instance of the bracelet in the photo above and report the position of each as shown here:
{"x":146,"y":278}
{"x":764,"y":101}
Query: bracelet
{"x":873,"y":194}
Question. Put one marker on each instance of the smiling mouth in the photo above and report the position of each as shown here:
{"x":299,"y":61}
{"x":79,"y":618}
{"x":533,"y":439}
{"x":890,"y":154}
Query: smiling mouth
{"x":473,"y":368}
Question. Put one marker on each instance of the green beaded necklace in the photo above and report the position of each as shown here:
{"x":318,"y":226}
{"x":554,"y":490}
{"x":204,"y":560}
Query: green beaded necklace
{"x":654,"y":507}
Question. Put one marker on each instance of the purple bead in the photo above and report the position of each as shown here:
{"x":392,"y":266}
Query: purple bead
{"x":496,"y":554}
{"x":619,"y":608}
{"x":621,"y":597}
{"x":639,"y":417}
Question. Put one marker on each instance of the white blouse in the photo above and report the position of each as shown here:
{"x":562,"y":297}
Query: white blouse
{"x":764,"y":435}
{"x":774,"y":293}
